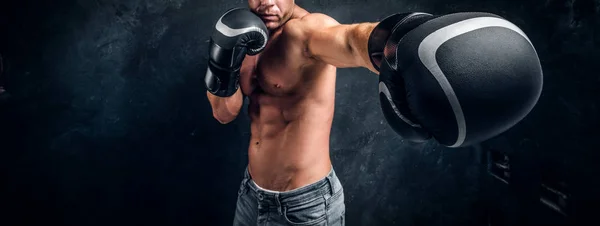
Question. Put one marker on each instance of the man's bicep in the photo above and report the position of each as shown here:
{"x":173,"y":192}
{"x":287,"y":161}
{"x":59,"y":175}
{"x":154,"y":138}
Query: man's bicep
{"x":328,"y":41}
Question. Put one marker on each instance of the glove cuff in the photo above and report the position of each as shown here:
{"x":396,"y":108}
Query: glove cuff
{"x":220,"y":81}
{"x":382,"y":32}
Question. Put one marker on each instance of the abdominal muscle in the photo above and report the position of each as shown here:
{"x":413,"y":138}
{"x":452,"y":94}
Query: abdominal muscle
{"x":289,"y":145}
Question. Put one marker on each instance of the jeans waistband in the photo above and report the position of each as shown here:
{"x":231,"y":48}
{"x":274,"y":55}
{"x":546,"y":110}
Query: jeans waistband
{"x":329,"y":185}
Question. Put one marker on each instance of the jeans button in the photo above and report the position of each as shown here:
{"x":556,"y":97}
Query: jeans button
{"x":260,"y":196}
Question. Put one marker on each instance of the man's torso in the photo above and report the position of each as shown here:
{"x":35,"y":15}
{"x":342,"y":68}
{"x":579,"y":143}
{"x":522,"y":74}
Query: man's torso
{"x":291,"y":111}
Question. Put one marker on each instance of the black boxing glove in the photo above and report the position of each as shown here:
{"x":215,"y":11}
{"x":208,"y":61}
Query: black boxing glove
{"x":237,"y":33}
{"x":460,"y":78}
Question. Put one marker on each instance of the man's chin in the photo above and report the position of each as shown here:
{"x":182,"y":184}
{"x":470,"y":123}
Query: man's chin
{"x":272,"y":25}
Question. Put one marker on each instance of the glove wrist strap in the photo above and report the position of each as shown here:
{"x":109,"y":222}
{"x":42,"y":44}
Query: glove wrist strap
{"x":220,"y":81}
{"x":382,"y":32}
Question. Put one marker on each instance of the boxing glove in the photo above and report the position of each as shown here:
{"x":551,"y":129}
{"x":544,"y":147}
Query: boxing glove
{"x":460,"y":78}
{"x":238,"y":33}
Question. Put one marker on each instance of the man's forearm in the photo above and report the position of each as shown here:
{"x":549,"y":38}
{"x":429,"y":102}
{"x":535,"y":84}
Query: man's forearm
{"x":359,"y":39}
{"x":226,"y":109}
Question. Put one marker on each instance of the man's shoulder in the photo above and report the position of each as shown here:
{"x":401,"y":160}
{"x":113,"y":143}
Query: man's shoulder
{"x":314,"y":20}
{"x":308,"y":23}
{"x":299,"y":30}
{"x":319,"y":19}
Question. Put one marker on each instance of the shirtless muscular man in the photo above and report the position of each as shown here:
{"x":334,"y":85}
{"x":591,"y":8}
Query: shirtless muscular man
{"x":459,"y":79}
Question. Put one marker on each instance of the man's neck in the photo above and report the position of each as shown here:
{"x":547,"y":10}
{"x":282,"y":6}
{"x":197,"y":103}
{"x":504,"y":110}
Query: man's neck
{"x":298,"y":12}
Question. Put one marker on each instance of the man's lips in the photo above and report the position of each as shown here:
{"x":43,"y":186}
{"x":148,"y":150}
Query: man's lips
{"x":269,"y":17}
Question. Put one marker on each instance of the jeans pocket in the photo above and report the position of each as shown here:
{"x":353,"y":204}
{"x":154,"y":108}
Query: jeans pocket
{"x":336,"y":199}
{"x":312,"y":212}
{"x":336,"y":209}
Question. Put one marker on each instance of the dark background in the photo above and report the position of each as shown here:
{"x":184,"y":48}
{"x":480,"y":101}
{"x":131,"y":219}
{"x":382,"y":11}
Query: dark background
{"x":108,"y":123}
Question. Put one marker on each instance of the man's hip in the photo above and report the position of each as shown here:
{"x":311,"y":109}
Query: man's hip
{"x":319,"y":203}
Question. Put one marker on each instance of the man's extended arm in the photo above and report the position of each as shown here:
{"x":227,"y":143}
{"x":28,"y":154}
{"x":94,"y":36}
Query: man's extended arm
{"x":341,"y":45}
{"x":450,"y":65}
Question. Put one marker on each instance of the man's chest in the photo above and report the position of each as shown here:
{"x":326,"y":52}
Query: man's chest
{"x":279,"y":69}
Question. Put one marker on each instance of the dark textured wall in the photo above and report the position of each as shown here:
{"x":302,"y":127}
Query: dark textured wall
{"x":108,"y":123}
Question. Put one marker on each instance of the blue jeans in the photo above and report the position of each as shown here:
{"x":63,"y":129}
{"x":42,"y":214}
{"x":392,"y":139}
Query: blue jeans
{"x":320,"y":203}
